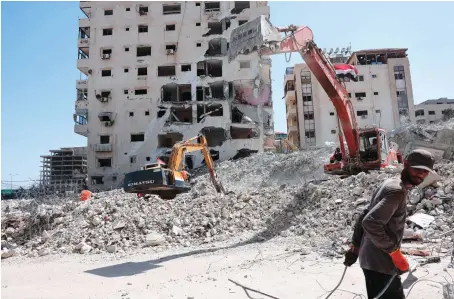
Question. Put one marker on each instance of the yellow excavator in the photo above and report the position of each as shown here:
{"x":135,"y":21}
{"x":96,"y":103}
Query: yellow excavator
{"x":169,"y":180}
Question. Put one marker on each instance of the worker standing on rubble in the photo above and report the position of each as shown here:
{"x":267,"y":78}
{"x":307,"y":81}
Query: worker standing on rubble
{"x":379,"y":230}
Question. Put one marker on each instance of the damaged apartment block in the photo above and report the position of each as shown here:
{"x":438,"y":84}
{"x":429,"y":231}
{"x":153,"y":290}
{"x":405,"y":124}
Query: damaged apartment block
{"x":219,"y":90}
{"x":215,"y":136}
{"x":169,"y":139}
{"x":212,"y":68}
{"x":240,"y":6}
{"x":217,"y":28}
{"x":173,"y":93}
{"x":180,"y":114}
{"x":217,"y":47}
{"x":209,"y":110}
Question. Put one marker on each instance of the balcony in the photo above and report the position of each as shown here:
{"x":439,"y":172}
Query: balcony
{"x":290,"y":95}
{"x":81,"y":129}
{"x":83,"y":65}
{"x":292,"y":129}
{"x":291,"y":112}
{"x":107,"y":147}
{"x":83,"y":43}
{"x":82,"y":84}
{"x":85,"y":7}
{"x":84,"y":22}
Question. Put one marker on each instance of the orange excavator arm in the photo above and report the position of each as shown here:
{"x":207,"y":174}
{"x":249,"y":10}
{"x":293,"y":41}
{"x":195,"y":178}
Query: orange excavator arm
{"x":198,"y":143}
{"x":259,"y":34}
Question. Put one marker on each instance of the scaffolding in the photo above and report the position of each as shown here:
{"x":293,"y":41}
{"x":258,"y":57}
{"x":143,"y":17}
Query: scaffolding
{"x":64,"y":170}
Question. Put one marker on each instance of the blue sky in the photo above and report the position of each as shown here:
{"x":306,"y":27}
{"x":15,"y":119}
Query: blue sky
{"x":39,"y":63}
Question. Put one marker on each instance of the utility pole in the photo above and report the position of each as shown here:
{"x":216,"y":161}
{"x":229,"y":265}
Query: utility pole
{"x":11,"y":178}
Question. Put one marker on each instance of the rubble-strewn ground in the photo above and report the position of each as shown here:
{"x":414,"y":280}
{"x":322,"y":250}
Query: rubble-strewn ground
{"x":273,"y":195}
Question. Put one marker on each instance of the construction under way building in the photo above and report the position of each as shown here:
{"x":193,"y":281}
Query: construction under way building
{"x":64,"y":169}
{"x":383,"y":96}
{"x":155,"y":73}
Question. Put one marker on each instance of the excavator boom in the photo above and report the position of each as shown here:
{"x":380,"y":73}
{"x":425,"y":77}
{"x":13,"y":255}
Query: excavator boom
{"x":260,"y":35}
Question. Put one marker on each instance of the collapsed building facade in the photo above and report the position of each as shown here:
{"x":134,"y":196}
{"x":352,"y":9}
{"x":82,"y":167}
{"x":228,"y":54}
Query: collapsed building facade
{"x":157,"y":73}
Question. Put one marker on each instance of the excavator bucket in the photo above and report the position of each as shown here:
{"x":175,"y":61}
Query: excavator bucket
{"x":252,"y":36}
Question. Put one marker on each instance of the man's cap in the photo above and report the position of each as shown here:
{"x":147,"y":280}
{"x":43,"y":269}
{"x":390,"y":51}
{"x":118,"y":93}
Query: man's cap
{"x":421,"y":159}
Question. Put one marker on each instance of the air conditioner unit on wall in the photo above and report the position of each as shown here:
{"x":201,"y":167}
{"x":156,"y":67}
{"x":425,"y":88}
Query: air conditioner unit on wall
{"x":170,"y":51}
{"x":105,"y":56}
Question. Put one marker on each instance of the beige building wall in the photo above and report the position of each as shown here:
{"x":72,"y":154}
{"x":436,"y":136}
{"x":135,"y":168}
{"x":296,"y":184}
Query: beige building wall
{"x":157,"y":73}
{"x":383,"y":97}
{"x":432,"y":110}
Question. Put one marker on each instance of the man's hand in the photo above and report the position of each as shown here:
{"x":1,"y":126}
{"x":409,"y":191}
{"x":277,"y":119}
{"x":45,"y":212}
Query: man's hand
{"x":351,"y":255}
{"x":400,"y":261}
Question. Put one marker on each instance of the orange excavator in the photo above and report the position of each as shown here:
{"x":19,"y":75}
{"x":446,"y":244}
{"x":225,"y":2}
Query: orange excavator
{"x":169,"y":180}
{"x":368,"y":149}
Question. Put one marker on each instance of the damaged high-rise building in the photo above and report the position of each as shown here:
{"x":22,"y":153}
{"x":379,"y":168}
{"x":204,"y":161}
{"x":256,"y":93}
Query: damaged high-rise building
{"x":156,"y":73}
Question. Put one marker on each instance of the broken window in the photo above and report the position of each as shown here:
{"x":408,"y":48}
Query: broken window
{"x":142,"y":71}
{"x":217,"y":90}
{"x":181,"y":114}
{"x":170,"y":27}
{"x":106,"y":51}
{"x":360,"y":78}
{"x":137,"y":137}
{"x":106,"y":73}
{"x":185,"y":67}
{"x":168,"y":140}
{"x":199,"y":93}
{"x":215,"y":28}
{"x":143,"y":10}
{"x":106,"y":117}
{"x":104,"y":162}
{"x":361,"y":112}
{"x":211,"y":68}
{"x":310,"y":134}
{"x":170,"y":49}
{"x":166,"y":71}
{"x":212,"y":6}
{"x":217,"y":47}
{"x":108,"y":12}
{"x":214,"y":136}
{"x":104,"y":139}
{"x":161,"y":111}
{"x":431,"y":112}
{"x":176,"y":93}
{"x":97,"y":180}
{"x":143,"y":51}
{"x":107,"y":31}
{"x":132,"y":159}
{"x":82,"y":94}
{"x":143,"y":28}
{"x":360,"y":94}
{"x":241,"y":22}
{"x":308,"y":115}
{"x":240,"y":6}
{"x":419,"y":112}
{"x":171,"y":9}
{"x":104,"y":96}
{"x":141,"y":91}
{"x":209,"y":110}
{"x":242,"y":133}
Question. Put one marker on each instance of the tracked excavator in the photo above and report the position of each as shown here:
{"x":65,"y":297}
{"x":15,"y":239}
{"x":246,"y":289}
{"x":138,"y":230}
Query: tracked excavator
{"x":367,"y":149}
{"x":169,"y":180}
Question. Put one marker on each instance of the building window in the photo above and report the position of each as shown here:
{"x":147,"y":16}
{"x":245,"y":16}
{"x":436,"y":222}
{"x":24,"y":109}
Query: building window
{"x":349,"y":95}
{"x":147,"y":112}
{"x":170,"y":27}
{"x":360,"y":78}
{"x":139,"y":92}
{"x":431,"y":112}
{"x":197,"y":4}
{"x":143,"y":28}
{"x":105,"y":162}
{"x":212,"y":6}
{"x":131,"y":113}
{"x":361,"y":112}
{"x":126,"y":70}
{"x":106,"y":73}
{"x":127,"y":28}
{"x":137,"y":137}
{"x":360,"y":94}
{"x":166,"y":71}
{"x":245,"y":64}
{"x":171,"y":9}
{"x":185,"y":67}
{"x":128,"y":9}
{"x":97,"y":180}
{"x":331,"y":113}
{"x":142,"y":71}
{"x":375,"y":93}
{"x":125,"y":91}
{"x":107,"y":31}
{"x":374,"y":76}
{"x":104,"y":139}
{"x":199,"y":45}
{"x":333,"y":131}
{"x":108,"y":12}
{"x":143,"y":10}
{"x":143,"y":51}
{"x":197,"y":24}
{"x":419,"y":112}
{"x":241,"y":22}
{"x":377,"y":111}
{"x":132,"y":159}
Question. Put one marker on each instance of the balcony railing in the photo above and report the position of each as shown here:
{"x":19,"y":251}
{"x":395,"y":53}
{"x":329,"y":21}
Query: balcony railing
{"x":81,"y":129}
{"x":81,"y":84}
{"x":107,"y":147}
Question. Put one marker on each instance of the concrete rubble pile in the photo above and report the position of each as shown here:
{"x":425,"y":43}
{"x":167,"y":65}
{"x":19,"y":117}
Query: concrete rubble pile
{"x":272,"y":195}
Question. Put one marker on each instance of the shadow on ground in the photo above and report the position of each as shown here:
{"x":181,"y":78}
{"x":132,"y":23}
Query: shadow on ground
{"x":281,"y":221}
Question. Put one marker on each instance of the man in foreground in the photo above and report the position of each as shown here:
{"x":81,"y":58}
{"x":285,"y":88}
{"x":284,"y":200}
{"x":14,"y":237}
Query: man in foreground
{"x":379,"y":231}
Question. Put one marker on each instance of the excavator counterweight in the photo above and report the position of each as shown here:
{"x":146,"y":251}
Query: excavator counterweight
{"x":169,"y":180}
{"x":367,"y":149}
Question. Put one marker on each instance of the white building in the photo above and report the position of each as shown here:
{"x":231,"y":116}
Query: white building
{"x":383,"y":96}
{"x":157,"y":73}
{"x":432,"y":110}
